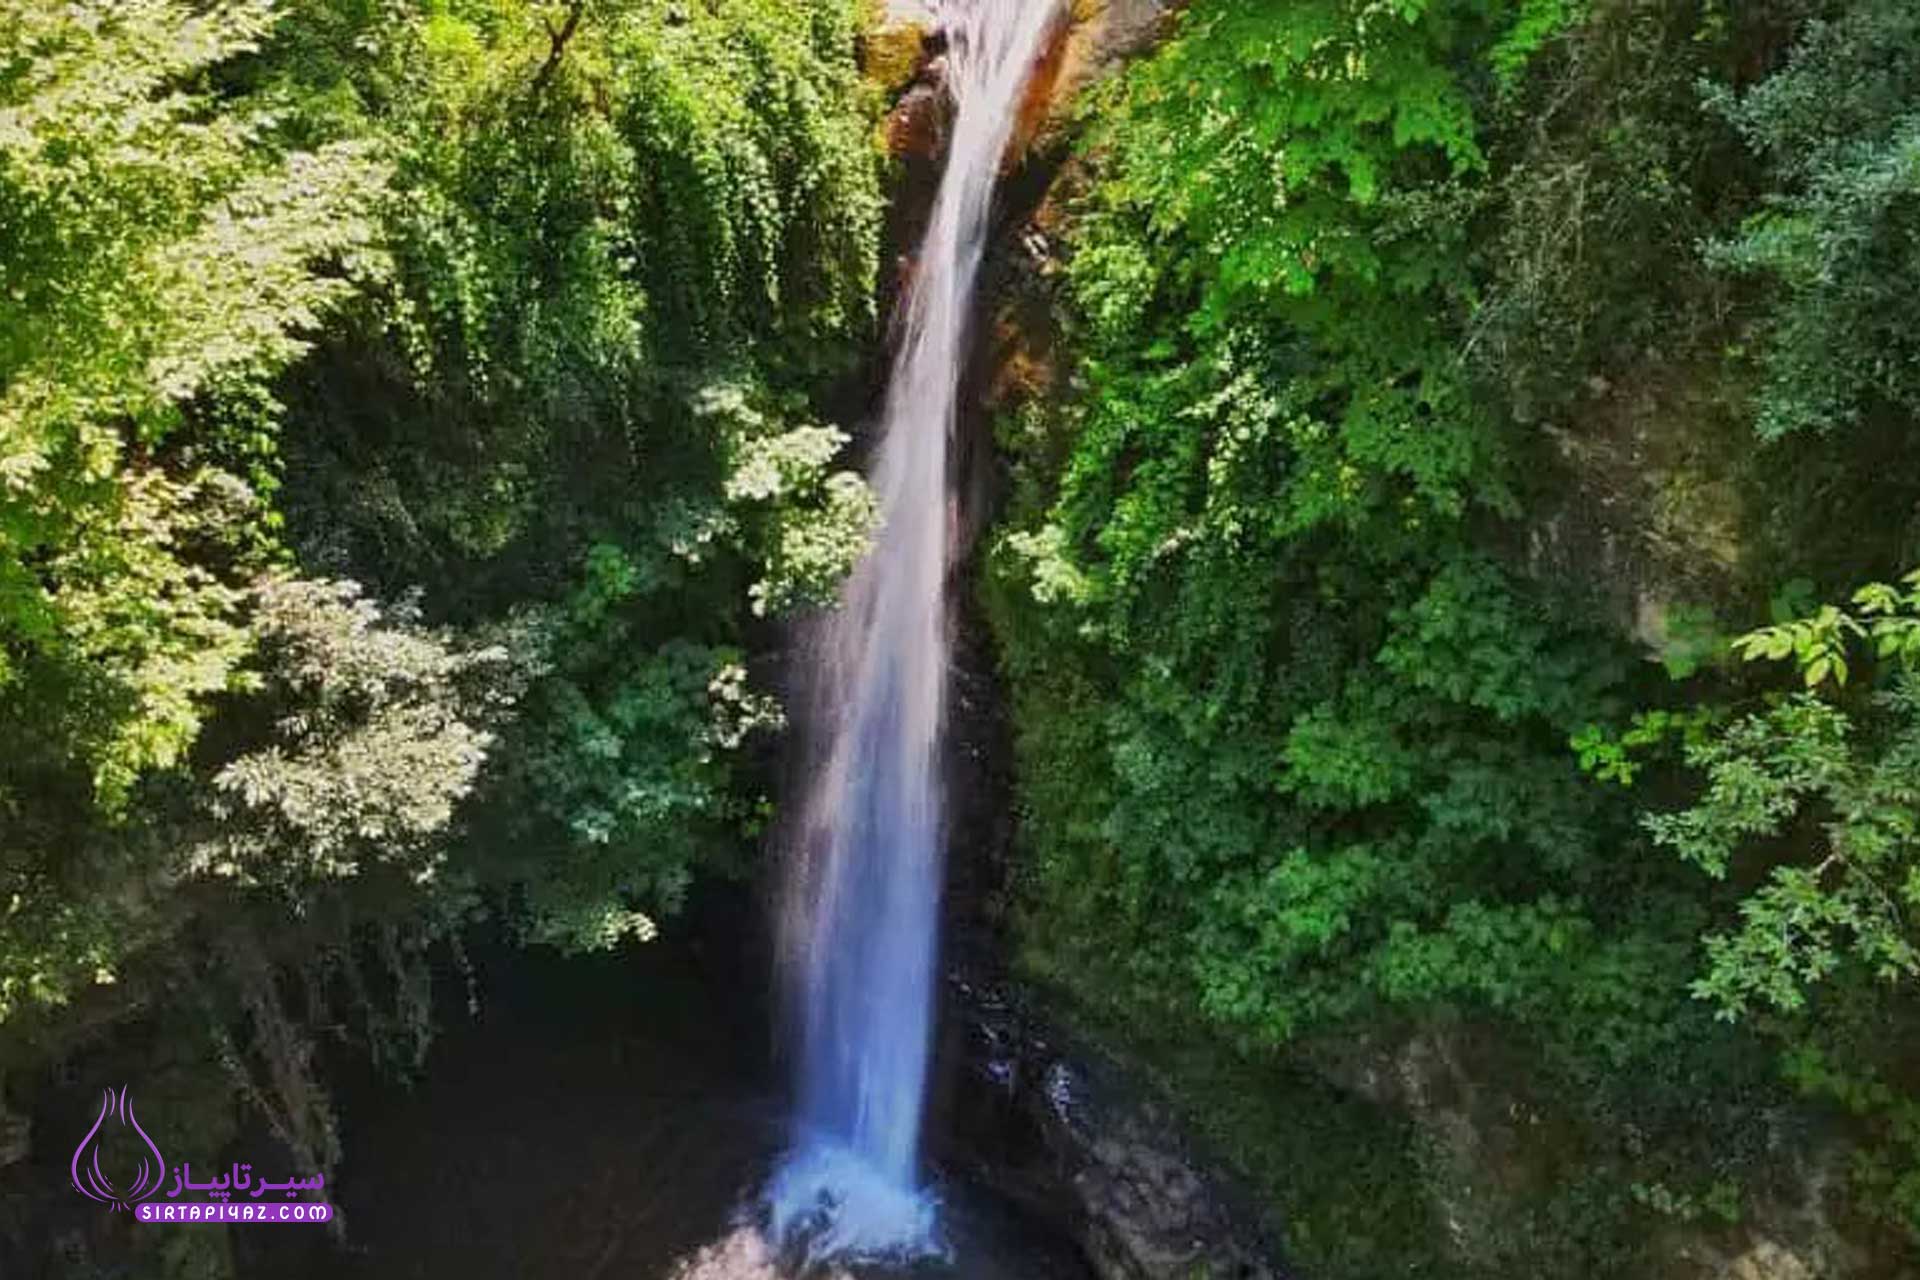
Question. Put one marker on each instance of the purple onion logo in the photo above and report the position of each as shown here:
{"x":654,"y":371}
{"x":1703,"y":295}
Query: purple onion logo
{"x":88,"y":1178}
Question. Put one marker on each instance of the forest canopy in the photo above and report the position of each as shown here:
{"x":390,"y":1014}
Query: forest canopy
{"x":408,"y":417}
{"x":1456,"y":587}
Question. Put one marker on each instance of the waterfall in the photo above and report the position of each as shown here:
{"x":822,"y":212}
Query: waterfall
{"x":865,"y":870}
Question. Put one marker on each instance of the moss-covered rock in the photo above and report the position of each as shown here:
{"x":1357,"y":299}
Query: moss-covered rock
{"x":891,"y":51}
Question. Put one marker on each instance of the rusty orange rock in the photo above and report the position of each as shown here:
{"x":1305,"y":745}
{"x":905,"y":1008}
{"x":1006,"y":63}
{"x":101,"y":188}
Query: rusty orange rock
{"x":1043,"y":87}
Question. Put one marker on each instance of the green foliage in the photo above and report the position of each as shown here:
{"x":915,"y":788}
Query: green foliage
{"x":1838,"y":129}
{"x":1844,"y":899}
{"x":1609,"y":174}
{"x":622,"y":777}
{"x":1720,"y":1199}
{"x":1537,"y":22}
{"x":1887,"y":1170}
{"x":624,"y":264}
{"x":1610,"y":757}
{"x":1276,"y":238}
{"x":1807,"y":806}
{"x":378,"y":733}
{"x":687,"y":200}
{"x":623,"y":269}
{"x":1889,"y":618}
{"x":523,"y":330}
{"x":1762,"y":773}
{"x":164,"y":255}
{"x":534,"y":307}
{"x":754,"y":209}
{"x":356,"y":738}
{"x":1293,"y":703}
{"x":1264,"y":484}
{"x":807,"y":525}
{"x":1258,"y":550}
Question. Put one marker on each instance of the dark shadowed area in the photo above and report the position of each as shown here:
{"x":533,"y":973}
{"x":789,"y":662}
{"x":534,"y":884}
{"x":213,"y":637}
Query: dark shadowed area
{"x":606,"y":1116}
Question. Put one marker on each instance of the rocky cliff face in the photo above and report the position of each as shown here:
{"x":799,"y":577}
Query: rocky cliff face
{"x":1063,"y":1128}
{"x":1494,"y":1148}
{"x":902,"y":55}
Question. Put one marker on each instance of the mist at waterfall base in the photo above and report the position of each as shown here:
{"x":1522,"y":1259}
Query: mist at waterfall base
{"x":860,"y":931}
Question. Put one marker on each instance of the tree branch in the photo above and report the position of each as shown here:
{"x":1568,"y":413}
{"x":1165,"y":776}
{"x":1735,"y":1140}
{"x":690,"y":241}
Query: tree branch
{"x":559,"y":38}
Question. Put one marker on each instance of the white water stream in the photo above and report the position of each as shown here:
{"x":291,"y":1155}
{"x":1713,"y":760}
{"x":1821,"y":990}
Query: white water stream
{"x":862,"y":925}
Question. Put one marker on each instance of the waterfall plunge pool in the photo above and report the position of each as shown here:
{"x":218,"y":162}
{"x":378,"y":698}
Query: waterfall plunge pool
{"x":603,"y":1118}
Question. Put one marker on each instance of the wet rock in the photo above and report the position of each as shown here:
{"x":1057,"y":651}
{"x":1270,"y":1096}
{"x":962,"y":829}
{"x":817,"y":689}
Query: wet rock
{"x":1058,"y":1125}
{"x":1758,"y":1257}
{"x":1094,"y":39}
{"x":1020,"y":298}
{"x":916,"y":128}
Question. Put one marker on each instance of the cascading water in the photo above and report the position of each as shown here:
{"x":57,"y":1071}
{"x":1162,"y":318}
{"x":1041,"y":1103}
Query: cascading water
{"x":863,"y":907}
